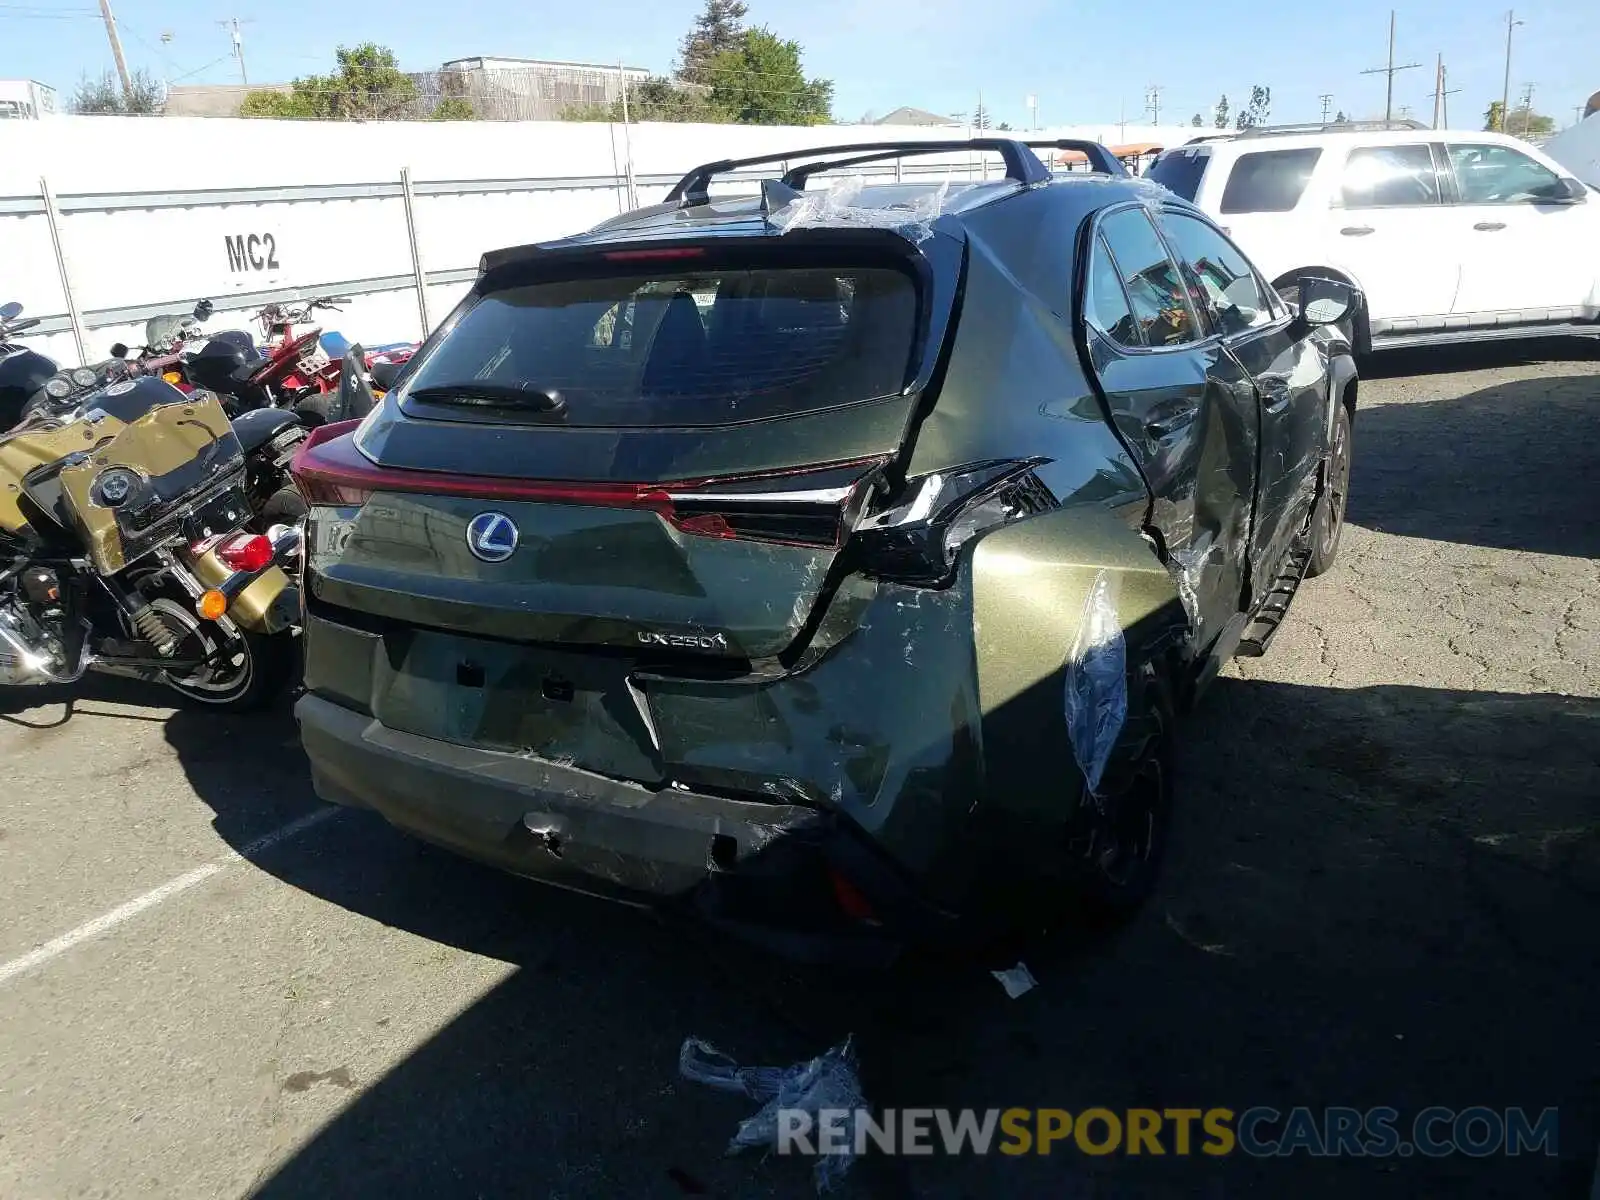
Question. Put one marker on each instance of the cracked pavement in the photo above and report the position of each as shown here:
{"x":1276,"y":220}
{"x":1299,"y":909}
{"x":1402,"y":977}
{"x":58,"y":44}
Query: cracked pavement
{"x":1384,"y":888}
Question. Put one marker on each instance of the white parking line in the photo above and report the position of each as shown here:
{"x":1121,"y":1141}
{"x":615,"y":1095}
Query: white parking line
{"x":125,"y":912}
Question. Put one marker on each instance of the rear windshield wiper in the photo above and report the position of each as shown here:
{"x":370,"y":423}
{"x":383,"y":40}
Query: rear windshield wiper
{"x":495,"y":395}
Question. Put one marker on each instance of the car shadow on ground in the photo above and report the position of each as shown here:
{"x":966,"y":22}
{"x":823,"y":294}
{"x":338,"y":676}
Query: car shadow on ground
{"x":1478,"y":356}
{"x":1384,"y":895}
{"x":1509,"y":466}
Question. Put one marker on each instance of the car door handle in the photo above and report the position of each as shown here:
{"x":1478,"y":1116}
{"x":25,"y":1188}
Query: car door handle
{"x":1161,"y":428}
{"x":1274,"y":395}
{"x":1357,"y":230}
{"x":1489,"y":226}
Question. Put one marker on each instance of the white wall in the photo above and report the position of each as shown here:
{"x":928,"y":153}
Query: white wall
{"x":147,"y":207}
{"x":1578,"y":149}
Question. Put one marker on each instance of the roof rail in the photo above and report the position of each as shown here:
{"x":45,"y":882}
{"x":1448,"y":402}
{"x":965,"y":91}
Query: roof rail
{"x":1405,"y":123}
{"x":1103,"y":161}
{"x":1022,"y":165}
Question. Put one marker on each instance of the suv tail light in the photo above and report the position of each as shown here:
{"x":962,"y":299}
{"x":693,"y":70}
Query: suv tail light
{"x":808,"y":507}
{"x":919,"y":539}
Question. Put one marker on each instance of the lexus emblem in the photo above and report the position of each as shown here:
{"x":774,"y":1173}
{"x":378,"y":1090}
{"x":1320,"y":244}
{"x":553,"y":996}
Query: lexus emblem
{"x":492,"y":537}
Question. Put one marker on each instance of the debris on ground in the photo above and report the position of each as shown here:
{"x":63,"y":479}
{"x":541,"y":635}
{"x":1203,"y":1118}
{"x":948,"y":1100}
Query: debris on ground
{"x":1017,"y":980}
{"x":826,"y":1083}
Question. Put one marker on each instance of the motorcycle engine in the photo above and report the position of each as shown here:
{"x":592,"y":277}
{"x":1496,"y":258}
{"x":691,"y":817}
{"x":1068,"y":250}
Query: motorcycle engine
{"x":30,"y":620}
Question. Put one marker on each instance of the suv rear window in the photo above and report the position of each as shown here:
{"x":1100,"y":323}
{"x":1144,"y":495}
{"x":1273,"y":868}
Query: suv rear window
{"x":680,"y":348}
{"x":1180,"y":171}
{"x":1269,"y":180}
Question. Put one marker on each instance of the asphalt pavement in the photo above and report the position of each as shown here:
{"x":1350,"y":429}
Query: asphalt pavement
{"x":1384,"y":889}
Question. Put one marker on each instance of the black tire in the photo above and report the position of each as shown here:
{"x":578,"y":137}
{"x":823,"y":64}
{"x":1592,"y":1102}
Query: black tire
{"x":251,"y":677}
{"x":313,"y":410}
{"x":1116,"y":845}
{"x":1327,"y":518}
{"x":286,"y":506}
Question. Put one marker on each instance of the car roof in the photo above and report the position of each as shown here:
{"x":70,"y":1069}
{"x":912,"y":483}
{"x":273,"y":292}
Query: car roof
{"x":1246,"y":142}
{"x":922,"y":200}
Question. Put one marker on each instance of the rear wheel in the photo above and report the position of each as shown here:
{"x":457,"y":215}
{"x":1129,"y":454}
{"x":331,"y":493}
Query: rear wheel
{"x":245,"y":671}
{"x":1327,"y":519}
{"x":1118,"y":836}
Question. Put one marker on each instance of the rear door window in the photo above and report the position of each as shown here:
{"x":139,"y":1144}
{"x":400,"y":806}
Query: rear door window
{"x":687,"y":348}
{"x":1389,"y":177}
{"x":1155,"y":287}
{"x":1108,"y":308}
{"x":1181,"y":171}
{"x":1268,"y":180}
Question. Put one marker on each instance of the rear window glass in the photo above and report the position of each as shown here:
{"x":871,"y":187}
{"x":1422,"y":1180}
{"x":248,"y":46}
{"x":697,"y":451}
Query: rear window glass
{"x":1390,"y":177}
{"x":688,"y":348}
{"x":1269,"y":180}
{"x":1180,"y":171}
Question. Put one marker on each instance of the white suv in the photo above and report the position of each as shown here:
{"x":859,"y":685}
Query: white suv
{"x":1452,"y":236}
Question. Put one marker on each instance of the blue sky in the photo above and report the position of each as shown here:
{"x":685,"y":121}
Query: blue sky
{"x":1086,"y":63}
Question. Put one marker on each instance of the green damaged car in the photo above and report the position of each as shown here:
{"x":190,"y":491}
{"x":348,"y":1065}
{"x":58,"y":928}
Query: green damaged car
{"x":830,"y":561}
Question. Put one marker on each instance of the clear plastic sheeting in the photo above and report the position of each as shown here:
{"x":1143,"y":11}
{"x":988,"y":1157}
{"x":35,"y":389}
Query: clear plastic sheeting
{"x":839,"y":206}
{"x":1097,"y":682}
{"x":828,"y":1082}
{"x":1186,"y":566}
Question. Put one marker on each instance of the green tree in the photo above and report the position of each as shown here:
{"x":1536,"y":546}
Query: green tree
{"x":103,"y":94}
{"x":454,"y":108}
{"x":981,"y":121}
{"x":718,"y":29}
{"x":761,"y":82}
{"x":1256,"y":112}
{"x":1219,"y":116}
{"x":1196,"y":121}
{"x":1004,"y":127}
{"x":1339,"y":118}
{"x":283,"y":106}
{"x":1524,"y":122}
{"x":368,"y":86}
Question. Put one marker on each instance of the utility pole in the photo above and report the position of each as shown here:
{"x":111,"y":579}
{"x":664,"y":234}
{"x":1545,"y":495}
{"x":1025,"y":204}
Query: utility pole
{"x":1527,"y":110}
{"x":1327,"y":104}
{"x":1505,"y":89}
{"x":116,"y":50}
{"x":1438,"y":89}
{"x":1153,"y":102}
{"x":1445,"y":92}
{"x":238,"y":47}
{"x":1389,"y":71}
{"x":1033,"y":108}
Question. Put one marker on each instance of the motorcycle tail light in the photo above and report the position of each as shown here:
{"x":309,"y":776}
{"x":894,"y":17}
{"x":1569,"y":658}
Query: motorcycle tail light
{"x":246,"y":552}
{"x":919,"y":537}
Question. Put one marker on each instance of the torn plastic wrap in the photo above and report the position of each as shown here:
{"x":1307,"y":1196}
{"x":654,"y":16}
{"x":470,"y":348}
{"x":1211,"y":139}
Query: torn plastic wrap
{"x":1097,"y":682}
{"x":1186,"y":566}
{"x":838,"y":205}
{"x":826,"y":1082}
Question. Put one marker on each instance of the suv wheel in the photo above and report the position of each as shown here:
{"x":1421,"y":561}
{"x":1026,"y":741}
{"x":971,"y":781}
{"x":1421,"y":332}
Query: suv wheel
{"x":1327,"y":519}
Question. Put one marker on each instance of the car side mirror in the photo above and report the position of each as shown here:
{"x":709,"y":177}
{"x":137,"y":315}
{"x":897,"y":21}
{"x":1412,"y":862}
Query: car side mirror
{"x":203,"y":310}
{"x":1325,"y":301}
{"x":119,"y":350}
{"x":1574,"y":190}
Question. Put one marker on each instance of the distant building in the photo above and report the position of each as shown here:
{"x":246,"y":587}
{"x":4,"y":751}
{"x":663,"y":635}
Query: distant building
{"x":916,"y":116}
{"x":532,"y":89}
{"x":213,"y":99}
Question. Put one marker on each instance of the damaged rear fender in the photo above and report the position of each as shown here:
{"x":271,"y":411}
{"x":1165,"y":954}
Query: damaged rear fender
{"x":1030,"y":583}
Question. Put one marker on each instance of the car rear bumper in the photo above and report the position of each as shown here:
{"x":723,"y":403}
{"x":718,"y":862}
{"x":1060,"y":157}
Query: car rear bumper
{"x":768,"y":872}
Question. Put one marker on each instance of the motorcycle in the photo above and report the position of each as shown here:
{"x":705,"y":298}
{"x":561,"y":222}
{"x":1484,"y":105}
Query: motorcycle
{"x":32,"y":383}
{"x":123,"y":548}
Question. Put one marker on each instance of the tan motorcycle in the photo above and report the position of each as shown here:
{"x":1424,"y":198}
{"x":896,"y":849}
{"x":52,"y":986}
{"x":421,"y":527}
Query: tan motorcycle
{"x":123,"y":550}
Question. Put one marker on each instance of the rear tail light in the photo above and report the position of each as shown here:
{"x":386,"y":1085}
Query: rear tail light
{"x":919,"y":539}
{"x":246,"y":552}
{"x":812,"y":507}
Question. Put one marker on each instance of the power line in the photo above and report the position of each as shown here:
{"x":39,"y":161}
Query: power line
{"x":1390,"y":71}
{"x":1326,"y":100}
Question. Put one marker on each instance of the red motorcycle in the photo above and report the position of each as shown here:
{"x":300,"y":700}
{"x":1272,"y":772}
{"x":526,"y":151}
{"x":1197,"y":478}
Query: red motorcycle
{"x":308,"y":364}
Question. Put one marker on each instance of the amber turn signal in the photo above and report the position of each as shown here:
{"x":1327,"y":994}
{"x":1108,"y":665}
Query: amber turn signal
{"x":211,"y":605}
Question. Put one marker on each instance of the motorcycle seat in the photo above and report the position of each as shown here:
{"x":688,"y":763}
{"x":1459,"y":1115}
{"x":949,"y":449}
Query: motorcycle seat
{"x":259,"y":426}
{"x":384,"y":374}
